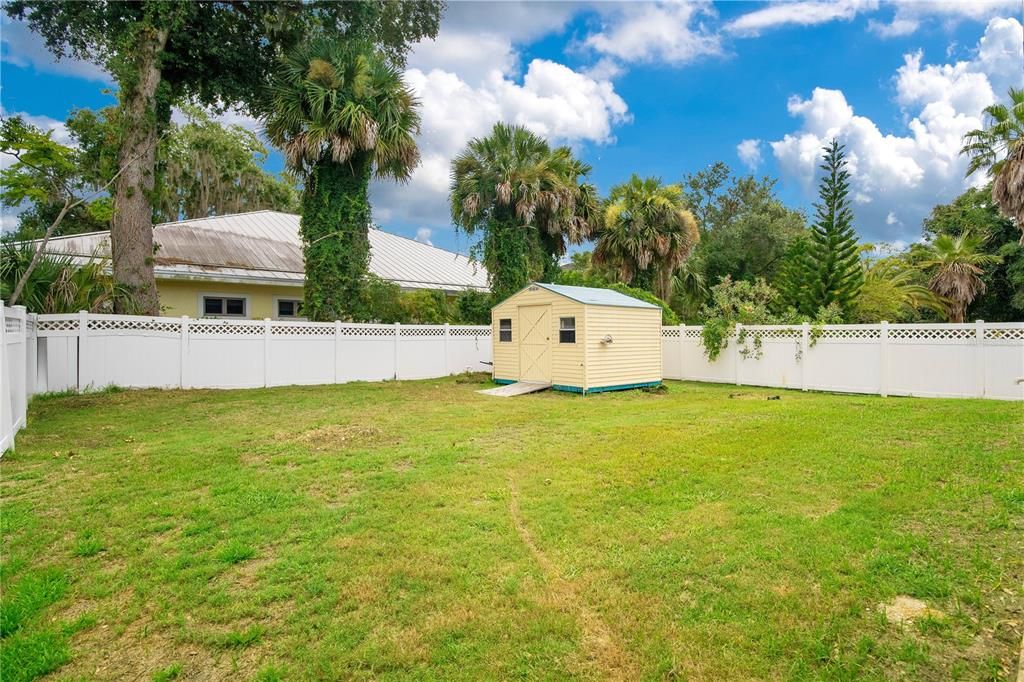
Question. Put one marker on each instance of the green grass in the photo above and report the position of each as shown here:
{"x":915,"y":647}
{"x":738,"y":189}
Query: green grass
{"x":418,"y":529}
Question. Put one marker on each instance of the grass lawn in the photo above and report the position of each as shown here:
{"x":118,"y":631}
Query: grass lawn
{"x":418,"y":529}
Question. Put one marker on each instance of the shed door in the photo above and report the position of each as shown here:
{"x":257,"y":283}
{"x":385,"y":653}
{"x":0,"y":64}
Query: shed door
{"x":535,"y":343}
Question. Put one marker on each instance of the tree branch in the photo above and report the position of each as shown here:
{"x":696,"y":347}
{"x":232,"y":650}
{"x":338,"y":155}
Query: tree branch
{"x":70,"y":203}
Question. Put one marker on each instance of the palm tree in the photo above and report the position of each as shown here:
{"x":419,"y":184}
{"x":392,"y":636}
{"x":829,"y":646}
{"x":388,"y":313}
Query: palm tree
{"x":647,"y":233}
{"x":893,"y":291}
{"x":529,"y":200}
{"x":999,"y":149}
{"x":340,"y":114}
{"x":957,"y":263}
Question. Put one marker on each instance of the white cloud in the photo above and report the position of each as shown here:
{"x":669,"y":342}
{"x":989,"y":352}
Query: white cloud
{"x":423,"y":235}
{"x":561,"y":104}
{"x":59,"y":131}
{"x":908,"y":16}
{"x":22,"y":47}
{"x":897,"y":178}
{"x":749,"y":152}
{"x":804,"y":13}
{"x":673,"y":33}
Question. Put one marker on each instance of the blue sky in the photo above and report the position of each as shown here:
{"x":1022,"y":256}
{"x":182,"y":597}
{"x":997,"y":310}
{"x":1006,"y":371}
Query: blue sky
{"x":666,"y":89}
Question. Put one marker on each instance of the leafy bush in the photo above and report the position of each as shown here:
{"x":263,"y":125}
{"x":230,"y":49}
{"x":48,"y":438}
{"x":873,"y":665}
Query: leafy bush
{"x":58,"y":284}
{"x":750,"y":303}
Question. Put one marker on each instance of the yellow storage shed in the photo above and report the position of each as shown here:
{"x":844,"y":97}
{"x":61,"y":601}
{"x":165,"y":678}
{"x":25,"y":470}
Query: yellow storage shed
{"x":577,"y":339}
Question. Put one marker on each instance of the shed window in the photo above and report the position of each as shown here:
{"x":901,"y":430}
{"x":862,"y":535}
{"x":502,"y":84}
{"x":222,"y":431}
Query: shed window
{"x":567,"y":330}
{"x":221,"y":306}
{"x":288,"y":307}
{"x":505,"y":330}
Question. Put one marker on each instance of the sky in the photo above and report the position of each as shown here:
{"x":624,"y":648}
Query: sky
{"x":667,"y":89}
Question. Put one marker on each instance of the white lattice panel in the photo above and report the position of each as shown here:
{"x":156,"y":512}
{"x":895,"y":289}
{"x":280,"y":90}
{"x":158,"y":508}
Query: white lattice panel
{"x":359,"y":331}
{"x":932,"y":333}
{"x":422,"y":331}
{"x":847,"y":334}
{"x":670,"y":332}
{"x":225,"y":328}
{"x":1004,"y":333}
{"x":776,"y":333}
{"x":313,"y":329}
{"x":142,"y":325}
{"x":692,"y":332}
{"x":57,"y":326}
{"x":469,"y":331}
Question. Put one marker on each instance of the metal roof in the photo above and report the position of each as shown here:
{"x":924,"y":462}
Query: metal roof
{"x":264,"y":246}
{"x":594,"y":296}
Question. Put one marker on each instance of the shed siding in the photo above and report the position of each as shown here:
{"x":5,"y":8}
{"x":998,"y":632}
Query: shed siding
{"x":566,"y":359}
{"x":633,"y":357}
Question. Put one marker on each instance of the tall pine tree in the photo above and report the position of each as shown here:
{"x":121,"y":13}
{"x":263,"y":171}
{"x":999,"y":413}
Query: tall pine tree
{"x":833,"y":270}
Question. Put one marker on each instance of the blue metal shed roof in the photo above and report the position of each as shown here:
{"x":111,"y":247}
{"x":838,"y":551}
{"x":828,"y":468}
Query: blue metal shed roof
{"x":593,"y":296}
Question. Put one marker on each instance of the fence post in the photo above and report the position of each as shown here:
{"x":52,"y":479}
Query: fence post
{"x":31,"y":355}
{"x":183,"y":362}
{"x":22,"y":416}
{"x":447,"y":364}
{"x":736,"y":353}
{"x":266,"y":352}
{"x":337,"y":350}
{"x":979,"y":354}
{"x":83,"y":343}
{"x":883,"y":344}
{"x":805,"y":347}
{"x":398,"y":334}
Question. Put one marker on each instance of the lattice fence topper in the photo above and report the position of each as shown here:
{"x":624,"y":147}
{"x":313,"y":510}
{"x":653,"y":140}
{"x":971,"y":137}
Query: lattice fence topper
{"x":225,"y":328}
{"x":692,"y":332}
{"x":12,"y":325}
{"x":422,"y":331}
{"x":1004,"y":334}
{"x":469,"y":331}
{"x":371,"y":331}
{"x":300,"y":329}
{"x":932,"y":334}
{"x":142,"y":324}
{"x":59,"y":325}
{"x":848,"y":334}
{"x":772,"y":333}
{"x":670,"y":332}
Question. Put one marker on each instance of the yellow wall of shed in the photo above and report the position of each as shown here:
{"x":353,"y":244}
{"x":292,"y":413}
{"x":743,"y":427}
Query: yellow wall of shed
{"x":184,"y":297}
{"x":567,"y":360}
{"x":633,"y":356}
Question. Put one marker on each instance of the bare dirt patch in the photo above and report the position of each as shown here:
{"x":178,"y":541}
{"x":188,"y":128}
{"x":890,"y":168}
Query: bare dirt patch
{"x":338,"y":437}
{"x":904,"y":609}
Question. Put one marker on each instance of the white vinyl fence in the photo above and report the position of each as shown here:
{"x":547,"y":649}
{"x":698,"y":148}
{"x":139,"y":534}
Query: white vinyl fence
{"x":975,"y":360}
{"x":85,"y":351}
{"x":45,"y":353}
{"x":17,"y":370}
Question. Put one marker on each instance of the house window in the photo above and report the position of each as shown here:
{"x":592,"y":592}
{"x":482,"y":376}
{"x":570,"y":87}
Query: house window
{"x":567,"y":330}
{"x":289,"y":307}
{"x":505,"y":330}
{"x":222,"y":306}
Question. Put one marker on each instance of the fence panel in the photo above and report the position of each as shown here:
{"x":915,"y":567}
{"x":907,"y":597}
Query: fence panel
{"x":928,"y":360}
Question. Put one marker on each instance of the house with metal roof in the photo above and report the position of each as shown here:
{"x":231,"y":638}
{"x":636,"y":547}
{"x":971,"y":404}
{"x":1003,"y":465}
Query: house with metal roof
{"x":578,"y":339}
{"x":250,"y":265}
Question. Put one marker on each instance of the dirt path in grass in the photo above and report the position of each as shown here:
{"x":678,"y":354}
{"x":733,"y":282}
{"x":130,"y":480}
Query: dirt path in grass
{"x":603,"y":648}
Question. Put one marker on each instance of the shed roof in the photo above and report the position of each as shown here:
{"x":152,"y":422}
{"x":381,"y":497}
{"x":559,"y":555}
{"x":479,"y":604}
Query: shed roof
{"x":265,"y":247}
{"x":595,"y":296}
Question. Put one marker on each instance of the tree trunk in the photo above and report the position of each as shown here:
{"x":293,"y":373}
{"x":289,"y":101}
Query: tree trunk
{"x":506,"y":254}
{"x":336,"y":243}
{"x":131,"y":229}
